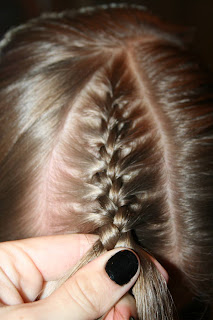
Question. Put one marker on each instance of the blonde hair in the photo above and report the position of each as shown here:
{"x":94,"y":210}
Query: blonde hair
{"x":105,"y":114}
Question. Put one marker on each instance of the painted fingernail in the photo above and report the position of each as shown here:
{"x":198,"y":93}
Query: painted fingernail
{"x":122,"y":267}
{"x":131,"y":318}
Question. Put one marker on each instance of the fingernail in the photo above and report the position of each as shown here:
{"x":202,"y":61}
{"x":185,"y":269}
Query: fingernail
{"x":122,"y":267}
{"x":131,"y":318}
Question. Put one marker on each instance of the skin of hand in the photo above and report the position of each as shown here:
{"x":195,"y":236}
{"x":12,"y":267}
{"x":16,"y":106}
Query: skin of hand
{"x":26,"y":265}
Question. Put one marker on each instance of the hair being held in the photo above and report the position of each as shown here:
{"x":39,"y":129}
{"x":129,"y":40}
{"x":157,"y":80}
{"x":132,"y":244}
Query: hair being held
{"x":110,"y":132}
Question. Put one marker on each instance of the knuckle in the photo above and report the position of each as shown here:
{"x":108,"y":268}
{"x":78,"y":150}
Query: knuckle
{"x":86,"y":295}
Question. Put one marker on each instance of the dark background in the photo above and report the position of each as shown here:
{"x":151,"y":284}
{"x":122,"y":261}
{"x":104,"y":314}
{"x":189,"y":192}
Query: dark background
{"x":197,"y":14}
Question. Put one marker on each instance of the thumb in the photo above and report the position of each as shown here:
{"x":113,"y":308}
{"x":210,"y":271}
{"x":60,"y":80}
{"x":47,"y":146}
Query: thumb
{"x":94,"y":289}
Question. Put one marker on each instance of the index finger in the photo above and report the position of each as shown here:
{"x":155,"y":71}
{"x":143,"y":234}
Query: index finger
{"x":53,"y":255}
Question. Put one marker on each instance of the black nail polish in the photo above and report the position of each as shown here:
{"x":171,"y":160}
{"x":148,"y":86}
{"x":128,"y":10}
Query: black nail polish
{"x":131,"y":318}
{"x":122,"y":267}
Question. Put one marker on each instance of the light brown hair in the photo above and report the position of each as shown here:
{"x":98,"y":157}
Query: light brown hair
{"x":106,"y":127}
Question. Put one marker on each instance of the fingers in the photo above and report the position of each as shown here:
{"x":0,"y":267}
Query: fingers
{"x":89,"y":294}
{"x":52,"y":255}
{"x":124,"y":309}
{"x":26,"y":264}
{"x":94,"y":289}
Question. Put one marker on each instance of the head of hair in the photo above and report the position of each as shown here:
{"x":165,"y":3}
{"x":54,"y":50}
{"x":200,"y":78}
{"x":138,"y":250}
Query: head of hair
{"x":106,"y":128}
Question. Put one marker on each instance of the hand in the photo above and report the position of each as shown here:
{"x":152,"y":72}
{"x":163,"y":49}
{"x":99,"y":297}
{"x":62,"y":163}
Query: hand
{"x":90,"y":293}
